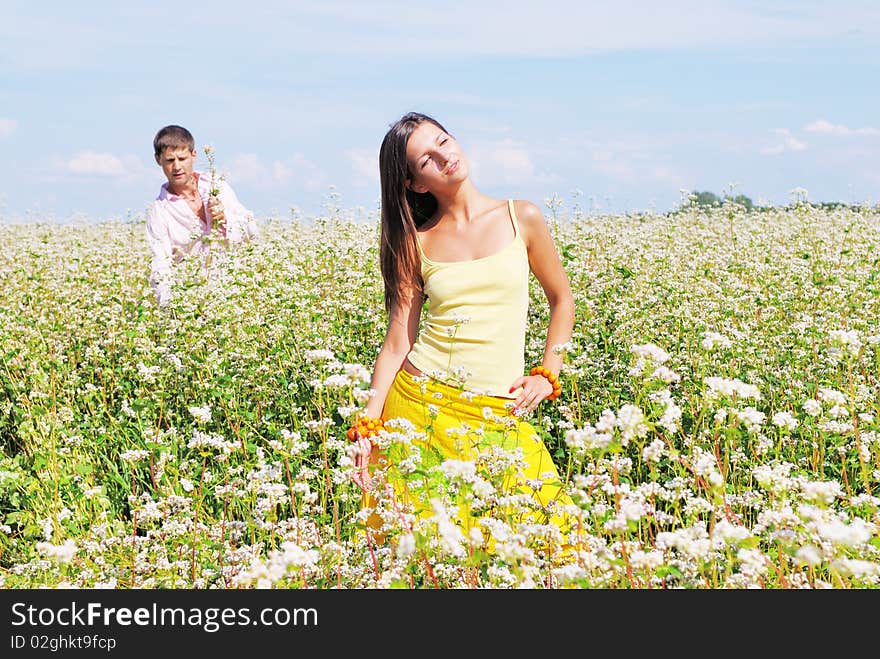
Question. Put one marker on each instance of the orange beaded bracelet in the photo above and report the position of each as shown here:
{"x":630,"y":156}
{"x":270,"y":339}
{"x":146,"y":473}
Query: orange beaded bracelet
{"x":365,"y":426}
{"x":552,"y":379}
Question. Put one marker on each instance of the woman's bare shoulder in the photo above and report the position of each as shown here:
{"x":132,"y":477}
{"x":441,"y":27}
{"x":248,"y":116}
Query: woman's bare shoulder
{"x":529,"y":217}
{"x":527,"y":211}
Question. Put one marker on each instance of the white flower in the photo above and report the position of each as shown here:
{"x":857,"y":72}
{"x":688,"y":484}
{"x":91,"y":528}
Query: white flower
{"x":812,"y":407}
{"x":319,"y":355}
{"x":774,"y":478}
{"x":463,"y":469}
{"x":61,"y":553}
{"x":854,"y":567}
{"x":784,"y":420}
{"x":809,"y":555}
{"x":654,"y":451}
{"x":347,"y":411}
{"x":606,"y":421}
{"x":475,"y":536}
{"x":91,"y":492}
{"x":406,"y":546}
{"x":201,"y":440}
{"x":586,"y":438}
{"x":754,"y":564}
{"x":148,"y":373}
{"x":134,"y":455}
{"x":725,"y":532}
{"x":562,"y":348}
{"x":337,"y":380}
{"x":854,"y":534}
{"x":821,"y":491}
{"x":798,"y":194}
{"x":838,"y":411}
{"x":831,"y":395}
{"x":650,"y":351}
{"x":357,"y":373}
{"x":848,"y":339}
{"x":451,"y":537}
{"x":363,"y":395}
{"x":202,"y":414}
{"x":666,"y":375}
{"x":712,"y":340}
{"x":631,"y":421}
{"x":731,"y":387}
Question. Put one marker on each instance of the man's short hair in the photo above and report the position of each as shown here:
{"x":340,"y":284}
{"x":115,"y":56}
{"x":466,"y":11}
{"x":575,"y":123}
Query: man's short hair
{"x":173,"y":137}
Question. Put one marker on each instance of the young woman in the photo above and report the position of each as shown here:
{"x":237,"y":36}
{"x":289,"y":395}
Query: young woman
{"x":470,"y":256}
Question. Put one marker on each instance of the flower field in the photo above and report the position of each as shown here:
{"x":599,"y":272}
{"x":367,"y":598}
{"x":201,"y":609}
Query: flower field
{"x":719,"y":423}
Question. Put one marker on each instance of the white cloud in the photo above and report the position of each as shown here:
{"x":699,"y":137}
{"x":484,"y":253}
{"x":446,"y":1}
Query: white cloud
{"x":823,"y":127}
{"x":281,"y":173}
{"x":95,"y":166}
{"x":246,"y":167}
{"x":789,"y":143}
{"x":626,"y":158}
{"x":249,"y":168}
{"x":504,"y":161}
{"x":663,"y":173}
{"x":609,"y":164}
{"x":564,"y":27}
{"x":365,"y":165}
{"x":7,"y":127}
{"x":79,"y":37}
{"x":90,"y":163}
{"x":626,"y":168}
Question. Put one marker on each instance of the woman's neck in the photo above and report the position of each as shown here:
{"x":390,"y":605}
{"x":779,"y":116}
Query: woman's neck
{"x":462,"y":204}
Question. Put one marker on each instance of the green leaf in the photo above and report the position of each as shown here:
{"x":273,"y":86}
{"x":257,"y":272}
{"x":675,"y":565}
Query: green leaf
{"x":623,"y":270}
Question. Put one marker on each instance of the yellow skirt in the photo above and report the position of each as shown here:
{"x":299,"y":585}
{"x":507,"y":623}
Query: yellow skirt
{"x":453,"y":427}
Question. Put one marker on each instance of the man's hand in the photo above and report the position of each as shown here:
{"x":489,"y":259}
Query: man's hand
{"x":218,"y":217}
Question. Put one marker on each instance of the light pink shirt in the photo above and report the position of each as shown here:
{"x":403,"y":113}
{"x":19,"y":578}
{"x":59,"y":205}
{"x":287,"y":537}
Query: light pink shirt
{"x":174,"y":230}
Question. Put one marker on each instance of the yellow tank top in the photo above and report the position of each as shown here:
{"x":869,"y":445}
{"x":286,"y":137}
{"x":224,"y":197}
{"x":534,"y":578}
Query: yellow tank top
{"x":475,"y":327}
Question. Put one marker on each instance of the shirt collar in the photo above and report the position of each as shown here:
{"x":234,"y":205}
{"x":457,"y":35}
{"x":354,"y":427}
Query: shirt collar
{"x":170,"y":196}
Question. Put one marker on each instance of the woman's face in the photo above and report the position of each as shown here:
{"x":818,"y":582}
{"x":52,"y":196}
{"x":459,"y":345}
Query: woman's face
{"x":434,"y":158}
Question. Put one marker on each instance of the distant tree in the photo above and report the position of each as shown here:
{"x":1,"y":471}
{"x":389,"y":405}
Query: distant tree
{"x":833,"y":205}
{"x":708,"y":199}
{"x":742,"y":200}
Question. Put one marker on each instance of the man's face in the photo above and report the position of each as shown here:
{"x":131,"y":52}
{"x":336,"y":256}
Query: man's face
{"x":177,"y":163}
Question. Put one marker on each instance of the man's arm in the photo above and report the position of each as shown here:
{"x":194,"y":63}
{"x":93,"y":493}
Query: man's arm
{"x":240,"y":222}
{"x":161,"y":249}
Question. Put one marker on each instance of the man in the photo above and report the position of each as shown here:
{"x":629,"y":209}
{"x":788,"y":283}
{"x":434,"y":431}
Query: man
{"x":189,"y":209}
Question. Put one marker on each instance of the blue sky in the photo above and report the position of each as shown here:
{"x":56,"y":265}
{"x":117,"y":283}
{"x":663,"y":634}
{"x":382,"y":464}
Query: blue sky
{"x":616,"y":105}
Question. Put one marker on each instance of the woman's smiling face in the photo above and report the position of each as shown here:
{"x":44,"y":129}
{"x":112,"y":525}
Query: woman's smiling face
{"x":434,"y":158}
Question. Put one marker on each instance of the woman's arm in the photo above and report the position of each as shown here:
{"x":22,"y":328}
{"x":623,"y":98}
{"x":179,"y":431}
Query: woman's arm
{"x":403,"y":324}
{"x":547,"y":267}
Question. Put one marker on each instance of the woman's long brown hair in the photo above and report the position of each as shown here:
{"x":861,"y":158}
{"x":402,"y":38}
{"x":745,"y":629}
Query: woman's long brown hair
{"x":403,"y":211}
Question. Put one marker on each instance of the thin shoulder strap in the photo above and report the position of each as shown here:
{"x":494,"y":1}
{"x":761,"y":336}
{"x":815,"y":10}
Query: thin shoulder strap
{"x":513,"y":217}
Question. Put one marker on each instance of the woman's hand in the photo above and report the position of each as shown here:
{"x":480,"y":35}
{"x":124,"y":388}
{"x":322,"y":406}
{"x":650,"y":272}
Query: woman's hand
{"x":361,"y":452}
{"x":535,"y":388}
